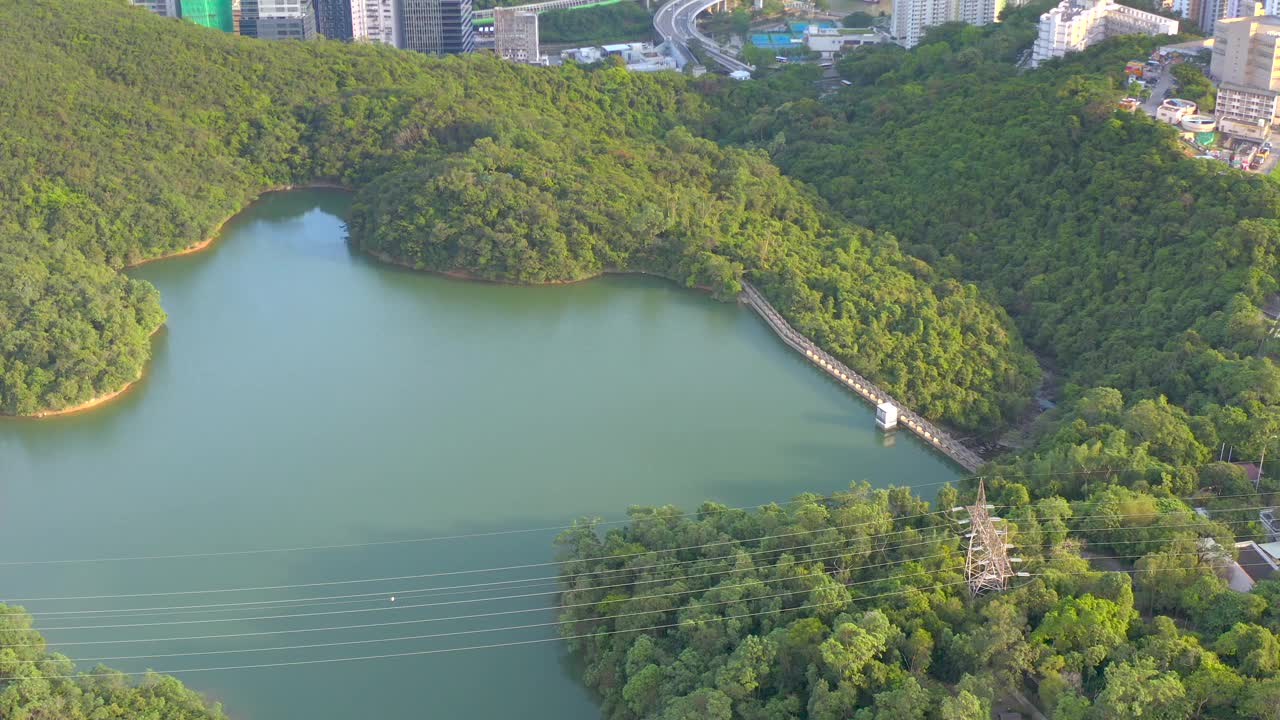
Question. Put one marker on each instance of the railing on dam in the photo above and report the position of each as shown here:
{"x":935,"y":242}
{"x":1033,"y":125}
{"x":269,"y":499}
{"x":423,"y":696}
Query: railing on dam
{"x":966,"y":458}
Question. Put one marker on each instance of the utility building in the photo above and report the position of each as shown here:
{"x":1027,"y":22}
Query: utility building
{"x":439,"y":27}
{"x":515,"y":36}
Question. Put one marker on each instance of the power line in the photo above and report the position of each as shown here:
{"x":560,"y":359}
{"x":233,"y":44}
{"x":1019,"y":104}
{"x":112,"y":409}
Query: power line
{"x":695,"y":621}
{"x":436,"y":538}
{"x":449,"y":573}
{"x":556,"y":579}
{"x":475,"y":535}
{"x":530,"y":626}
{"x":478,"y":615}
{"x":480,"y":647}
{"x":561,"y":580}
{"x":551,"y":580}
{"x":466,"y":617}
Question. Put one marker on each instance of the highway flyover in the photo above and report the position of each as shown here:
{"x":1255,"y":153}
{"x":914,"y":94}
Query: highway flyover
{"x":677,"y":23}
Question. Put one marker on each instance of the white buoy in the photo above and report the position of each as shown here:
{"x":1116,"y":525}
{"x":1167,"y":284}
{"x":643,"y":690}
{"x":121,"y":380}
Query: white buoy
{"x":393,"y":598}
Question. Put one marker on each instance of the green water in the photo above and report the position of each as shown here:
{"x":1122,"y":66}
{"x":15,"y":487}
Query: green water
{"x":302,"y":395}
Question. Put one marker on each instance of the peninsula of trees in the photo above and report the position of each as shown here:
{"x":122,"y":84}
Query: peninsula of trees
{"x":467,"y":165}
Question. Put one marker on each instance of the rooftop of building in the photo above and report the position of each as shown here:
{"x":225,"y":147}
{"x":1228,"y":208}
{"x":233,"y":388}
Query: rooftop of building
{"x":1270,"y":21}
{"x":1256,"y":562}
{"x":1245,"y":89}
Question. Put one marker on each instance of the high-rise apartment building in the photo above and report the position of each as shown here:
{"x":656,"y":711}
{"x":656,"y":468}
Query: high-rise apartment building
{"x":333,"y":19}
{"x":515,"y":36}
{"x":278,"y":19}
{"x":436,"y":26}
{"x":980,"y":12}
{"x":1207,"y":13}
{"x":216,"y":14}
{"x":1246,"y":63}
{"x":1074,"y":25}
{"x":1246,"y":51}
{"x":911,"y":18}
{"x":167,"y":8}
{"x":374,"y":21}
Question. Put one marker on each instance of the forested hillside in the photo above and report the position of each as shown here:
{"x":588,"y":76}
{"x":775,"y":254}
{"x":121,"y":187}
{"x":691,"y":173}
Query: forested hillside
{"x":1134,"y":271}
{"x":855,"y":606}
{"x":1137,"y":273}
{"x":462,"y":164}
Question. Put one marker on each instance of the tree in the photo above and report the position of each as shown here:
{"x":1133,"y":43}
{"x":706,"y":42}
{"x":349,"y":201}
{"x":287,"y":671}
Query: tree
{"x":704,"y":704}
{"x":641,"y":690}
{"x":1085,"y":627}
{"x":1261,"y":700}
{"x":747,"y":669}
{"x":849,"y":649}
{"x":963,"y":706}
{"x":1138,"y":690}
{"x":857,"y":20}
{"x":1194,"y":86}
{"x":1253,"y":649}
{"x":905,"y":701}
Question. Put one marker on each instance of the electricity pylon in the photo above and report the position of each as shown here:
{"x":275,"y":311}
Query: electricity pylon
{"x":987,"y":564}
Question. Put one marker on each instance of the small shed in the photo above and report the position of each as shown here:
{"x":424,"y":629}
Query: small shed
{"x":886,"y":416}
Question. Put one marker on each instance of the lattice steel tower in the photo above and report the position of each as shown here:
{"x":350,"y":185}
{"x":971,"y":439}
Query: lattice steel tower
{"x":987,"y":564}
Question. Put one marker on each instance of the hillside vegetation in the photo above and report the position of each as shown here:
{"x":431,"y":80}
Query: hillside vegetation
{"x":462,"y":164}
{"x":855,"y":606}
{"x":1134,"y":271}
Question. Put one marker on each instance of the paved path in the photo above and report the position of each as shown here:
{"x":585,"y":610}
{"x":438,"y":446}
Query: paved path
{"x":940,"y":439}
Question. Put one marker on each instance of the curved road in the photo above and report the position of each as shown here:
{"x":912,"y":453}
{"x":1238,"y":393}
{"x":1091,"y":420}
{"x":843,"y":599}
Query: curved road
{"x":677,"y":23}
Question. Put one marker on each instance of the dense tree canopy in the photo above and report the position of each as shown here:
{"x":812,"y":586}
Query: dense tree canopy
{"x":37,"y":684}
{"x":462,"y":164}
{"x":855,"y":606}
{"x":1134,"y":271}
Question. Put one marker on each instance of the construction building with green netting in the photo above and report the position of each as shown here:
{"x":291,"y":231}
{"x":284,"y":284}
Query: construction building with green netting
{"x":209,"y":13}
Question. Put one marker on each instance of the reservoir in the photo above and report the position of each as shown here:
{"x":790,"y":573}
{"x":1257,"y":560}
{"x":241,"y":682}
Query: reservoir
{"x":303,"y":397}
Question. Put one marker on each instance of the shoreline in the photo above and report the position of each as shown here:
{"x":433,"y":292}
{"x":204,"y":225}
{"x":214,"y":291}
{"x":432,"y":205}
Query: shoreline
{"x":378,"y":255}
{"x":92,"y":402}
{"x":202,"y":245}
{"x":464,"y":275}
{"x":217,"y":231}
